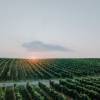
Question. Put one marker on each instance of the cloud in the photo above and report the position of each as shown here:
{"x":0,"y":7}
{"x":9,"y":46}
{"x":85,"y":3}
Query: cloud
{"x":41,"y":46}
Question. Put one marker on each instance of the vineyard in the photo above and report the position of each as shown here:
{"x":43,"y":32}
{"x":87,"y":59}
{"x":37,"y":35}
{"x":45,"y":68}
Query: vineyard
{"x":23,"y":69}
{"x":68,"y":89}
{"x":77,"y":79}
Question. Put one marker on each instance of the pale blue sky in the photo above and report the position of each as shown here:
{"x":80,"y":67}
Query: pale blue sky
{"x":70,"y":24}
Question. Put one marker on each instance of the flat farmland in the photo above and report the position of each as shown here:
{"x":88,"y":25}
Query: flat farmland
{"x":28,"y":69}
{"x":49,"y":79}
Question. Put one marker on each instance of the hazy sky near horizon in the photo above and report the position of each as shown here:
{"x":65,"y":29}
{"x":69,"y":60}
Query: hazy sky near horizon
{"x":49,"y":28}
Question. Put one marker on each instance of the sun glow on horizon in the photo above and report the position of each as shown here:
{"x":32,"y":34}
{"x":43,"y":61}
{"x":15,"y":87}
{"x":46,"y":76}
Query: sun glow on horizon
{"x":33,"y":59}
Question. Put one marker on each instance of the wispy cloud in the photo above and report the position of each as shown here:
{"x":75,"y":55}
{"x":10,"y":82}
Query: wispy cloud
{"x":41,"y":46}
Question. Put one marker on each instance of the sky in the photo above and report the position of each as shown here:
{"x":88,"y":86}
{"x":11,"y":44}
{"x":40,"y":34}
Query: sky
{"x":50,"y":28}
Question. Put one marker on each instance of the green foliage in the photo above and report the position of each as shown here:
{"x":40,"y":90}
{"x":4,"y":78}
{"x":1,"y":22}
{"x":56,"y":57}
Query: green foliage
{"x":79,"y":79}
{"x":24,"y":69}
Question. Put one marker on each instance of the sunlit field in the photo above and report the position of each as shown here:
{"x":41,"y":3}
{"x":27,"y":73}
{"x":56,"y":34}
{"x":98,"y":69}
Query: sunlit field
{"x":49,"y":79}
{"x":34,"y":69}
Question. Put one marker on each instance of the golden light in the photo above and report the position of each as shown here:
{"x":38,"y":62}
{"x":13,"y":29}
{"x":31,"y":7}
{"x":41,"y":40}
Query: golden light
{"x":33,"y":59}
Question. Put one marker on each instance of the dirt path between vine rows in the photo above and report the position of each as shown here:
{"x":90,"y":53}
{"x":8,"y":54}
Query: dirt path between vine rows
{"x":23,"y":83}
